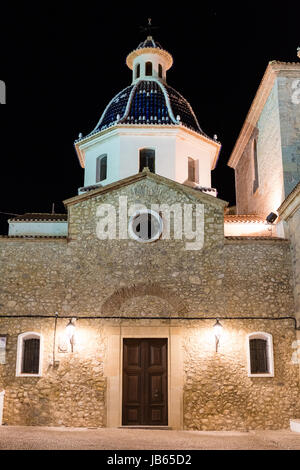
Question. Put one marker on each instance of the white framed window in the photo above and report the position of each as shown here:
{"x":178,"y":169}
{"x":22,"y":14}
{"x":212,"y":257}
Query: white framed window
{"x":3,"y":342}
{"x":145,"y":226}
{"x":260,"y":354}
{"x":193,"y":170}
{"x":101,"y":168}
{"x":147,"y":159}
{"x":255,"y":166}
{"x":138,"y":71}
{"x":160,"y":71}
{"x":148,"y":69}
{"x":29,"y":354}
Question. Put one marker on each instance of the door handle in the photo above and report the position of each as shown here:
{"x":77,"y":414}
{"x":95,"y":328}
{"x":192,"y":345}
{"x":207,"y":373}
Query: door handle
{"x":156,"y":393}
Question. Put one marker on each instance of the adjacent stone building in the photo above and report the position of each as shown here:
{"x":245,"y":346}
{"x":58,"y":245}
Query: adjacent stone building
{"x":289,"y":213}
{"x":137,"y":310}
{"x":266,"y":157}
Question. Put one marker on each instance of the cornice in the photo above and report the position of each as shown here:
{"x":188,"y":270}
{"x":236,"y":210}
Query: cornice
{"x":246,"y":219}
{"x":117,"y":129}
{"x":33,"y":238}
{"x":152,"y":176}
{"x":291,"y":204}
{"x":149,"y":50}
{"x":253,"y":240}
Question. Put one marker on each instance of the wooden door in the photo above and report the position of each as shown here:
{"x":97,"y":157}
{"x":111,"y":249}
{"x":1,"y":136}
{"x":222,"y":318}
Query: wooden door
{"x":145,"y":382}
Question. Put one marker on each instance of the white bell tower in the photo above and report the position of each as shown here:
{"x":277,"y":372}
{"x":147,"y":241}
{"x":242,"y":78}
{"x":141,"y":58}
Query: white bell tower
{"x":148,"y":124}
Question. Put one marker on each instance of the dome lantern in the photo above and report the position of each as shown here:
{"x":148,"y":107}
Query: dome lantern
{"x":147,"y":124}
{"x":149,"y":60}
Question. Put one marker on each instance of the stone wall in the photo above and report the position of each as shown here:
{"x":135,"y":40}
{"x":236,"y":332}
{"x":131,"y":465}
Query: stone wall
{"x":71,"y":392}
{"x":86,"y":277}
{"x":289,"y":110}
{"x":289,"y":213}
{"x":278,"y":150}
{"x":270,"y":192}
{"x":294,"y":228}
{"x":217,"y":392}
{"x":33,"y":275}
{"x":219,"y":395}
{"x":258,"y":278}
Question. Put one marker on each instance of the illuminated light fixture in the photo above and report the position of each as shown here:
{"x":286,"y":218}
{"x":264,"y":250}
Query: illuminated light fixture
{"x":218,"y":330}
{"x":271,"y":218}
{"x":70,"y":332}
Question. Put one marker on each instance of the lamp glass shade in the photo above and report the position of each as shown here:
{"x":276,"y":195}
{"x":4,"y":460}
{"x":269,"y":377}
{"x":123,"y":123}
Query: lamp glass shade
{"x":218,"y":329}
{"x":70,"y":329}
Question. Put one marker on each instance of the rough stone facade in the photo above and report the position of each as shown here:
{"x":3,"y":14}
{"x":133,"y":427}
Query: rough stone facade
{"x":289,"y":213}
{"x":71,"y":393}
{"x":289,"y":111}
{"x":270,"y":191}
{"x":88,"y":278}
{"x":274,"y":122}
{"x":219,"y":395}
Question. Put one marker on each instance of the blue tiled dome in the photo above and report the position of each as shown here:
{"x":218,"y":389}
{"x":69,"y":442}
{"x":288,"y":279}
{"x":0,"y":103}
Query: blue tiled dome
{"x":149,"y":102}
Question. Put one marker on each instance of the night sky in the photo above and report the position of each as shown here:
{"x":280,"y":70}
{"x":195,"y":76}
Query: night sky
{"x":64,"y":62}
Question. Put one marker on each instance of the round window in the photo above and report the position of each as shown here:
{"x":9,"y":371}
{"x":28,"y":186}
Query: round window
{"x":145,"y":226}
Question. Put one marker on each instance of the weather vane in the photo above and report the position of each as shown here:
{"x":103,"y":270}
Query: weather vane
{"x":149,"y":28}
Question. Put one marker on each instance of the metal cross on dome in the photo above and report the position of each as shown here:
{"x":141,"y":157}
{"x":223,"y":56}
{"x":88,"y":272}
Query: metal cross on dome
{"x":149,"y":28}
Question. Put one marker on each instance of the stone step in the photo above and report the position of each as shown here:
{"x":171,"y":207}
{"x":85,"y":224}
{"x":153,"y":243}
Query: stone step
{"x":295,"y":425}
{"x":162,"y":428}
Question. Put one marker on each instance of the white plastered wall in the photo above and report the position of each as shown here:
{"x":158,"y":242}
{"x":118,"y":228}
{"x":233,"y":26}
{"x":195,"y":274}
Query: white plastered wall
{"x":110,"y":145}
{"x":172,"y":145}
{"x":155,"y":59}
{"x":197,"y":149}
{"x":58,"y":229}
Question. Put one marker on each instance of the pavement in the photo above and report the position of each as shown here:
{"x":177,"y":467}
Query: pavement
{"x":50,"y":438}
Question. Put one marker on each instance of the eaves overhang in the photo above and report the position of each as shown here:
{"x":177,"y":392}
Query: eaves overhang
{"x":149,"y":50}
{"x":82,"y":144}
{"x":152,"y":176}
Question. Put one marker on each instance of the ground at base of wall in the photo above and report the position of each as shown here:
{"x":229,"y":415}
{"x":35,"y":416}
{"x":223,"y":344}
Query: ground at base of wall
{"x":50,"y":438}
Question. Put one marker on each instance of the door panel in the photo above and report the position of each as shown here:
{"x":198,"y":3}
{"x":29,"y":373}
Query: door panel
{"x":145,"y":387}
{"x":155,"y":355}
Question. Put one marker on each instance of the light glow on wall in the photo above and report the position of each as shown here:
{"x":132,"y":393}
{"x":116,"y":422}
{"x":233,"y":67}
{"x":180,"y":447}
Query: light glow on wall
{"x":247,"y":229}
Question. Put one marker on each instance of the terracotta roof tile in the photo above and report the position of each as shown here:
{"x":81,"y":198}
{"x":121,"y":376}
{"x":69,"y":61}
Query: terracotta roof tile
{"x":33,"y":236}
{"x":243,"y":218}
{"x":36,"y":216}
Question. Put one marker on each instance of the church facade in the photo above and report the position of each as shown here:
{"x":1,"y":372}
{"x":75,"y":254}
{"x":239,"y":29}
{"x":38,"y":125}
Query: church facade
{"x":145,"y":305}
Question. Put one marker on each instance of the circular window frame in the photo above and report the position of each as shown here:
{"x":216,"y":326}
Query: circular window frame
{"x":154,"y":214}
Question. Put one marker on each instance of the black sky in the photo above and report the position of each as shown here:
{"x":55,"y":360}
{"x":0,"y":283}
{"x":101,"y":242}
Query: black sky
{"x":62,"y":62}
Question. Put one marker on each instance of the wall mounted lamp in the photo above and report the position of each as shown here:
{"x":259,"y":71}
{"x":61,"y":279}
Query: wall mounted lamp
{"x":218,"y":330}
{"x":70,"y":332}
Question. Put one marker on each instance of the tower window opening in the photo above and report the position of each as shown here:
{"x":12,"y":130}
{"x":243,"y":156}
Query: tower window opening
{"x":256,"y":181}
{"x":147,"y":159}
{"x":138,"y":71}
{"x":192,"y":170}
{"x":148,"y":68}
{"x":101,"y":168}
{"x":160,"y":70}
